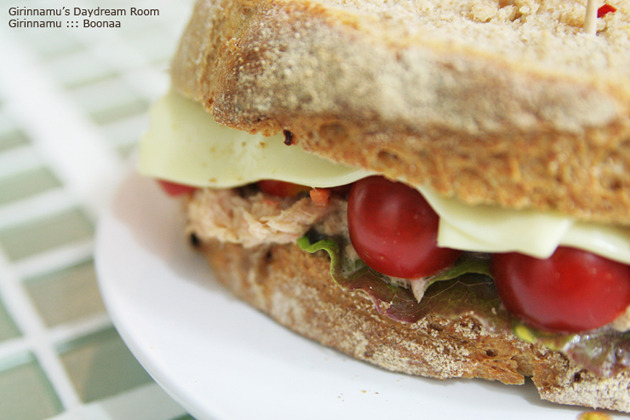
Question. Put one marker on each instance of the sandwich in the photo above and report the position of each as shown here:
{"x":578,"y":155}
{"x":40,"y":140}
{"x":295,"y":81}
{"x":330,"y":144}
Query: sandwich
{"x":439,"y":188}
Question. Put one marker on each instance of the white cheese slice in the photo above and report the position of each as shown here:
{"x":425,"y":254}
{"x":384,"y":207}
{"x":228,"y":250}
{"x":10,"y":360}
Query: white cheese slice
{"x":184,"y":144}
{"x":491,"y":229}
{"x":495,"y":229}
{"x":612,"y":242}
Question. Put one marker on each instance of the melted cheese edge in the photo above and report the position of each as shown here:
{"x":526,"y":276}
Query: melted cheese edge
{"x":185,"y":145}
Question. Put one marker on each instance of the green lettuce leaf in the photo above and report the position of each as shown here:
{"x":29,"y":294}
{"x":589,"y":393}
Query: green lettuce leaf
{"x":604,"y":351}
{"x":468,"y":288}
{"x":467,"y":284}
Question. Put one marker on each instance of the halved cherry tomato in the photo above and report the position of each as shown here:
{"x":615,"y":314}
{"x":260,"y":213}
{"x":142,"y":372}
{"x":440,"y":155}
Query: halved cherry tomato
{"x":281,"y":188}
{"x":174,"y":189}
{"x":342,"y":190}
{"x":394,"y":230}
{"x":571,"y":291}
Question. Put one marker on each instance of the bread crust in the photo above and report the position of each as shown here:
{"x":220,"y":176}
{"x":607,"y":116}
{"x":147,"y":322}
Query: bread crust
{"x":477,"y":124}
{"x":295,"y":289}
{"x":482,"y":125}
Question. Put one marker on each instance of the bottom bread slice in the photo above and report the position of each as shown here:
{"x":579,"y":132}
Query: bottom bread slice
{"x":295,"y":289}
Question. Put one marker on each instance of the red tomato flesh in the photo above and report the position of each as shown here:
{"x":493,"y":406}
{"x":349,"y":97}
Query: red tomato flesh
{"x":174,"y":189}
{"x":394,"y":230}
{"x":281,"y":188}
{"x":571,"y":291}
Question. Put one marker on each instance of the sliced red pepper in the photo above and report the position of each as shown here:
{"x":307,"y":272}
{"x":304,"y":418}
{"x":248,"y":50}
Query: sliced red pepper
{"x":605,"y":9}
{"x":320,"y":196}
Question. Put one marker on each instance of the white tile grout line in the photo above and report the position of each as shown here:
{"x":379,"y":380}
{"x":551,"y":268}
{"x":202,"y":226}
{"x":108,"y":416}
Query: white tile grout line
{"x":14,"y":347}
{"x":150,"y":396}
{"x":146,"y":79}
{"x":19,"y":159}
{"x":68,"y":142}
{"x":74,"y":149}
{"x":44,"y":204}
{"x":27,"y":319}
{"x":60,"y":257}
{"x":56,"y":335}
{"x":70,"y":331}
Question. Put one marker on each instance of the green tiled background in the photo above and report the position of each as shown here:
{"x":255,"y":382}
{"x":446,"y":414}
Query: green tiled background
{"x":8,"y":329}
{"x":22,"y":382}
{"x":60,"y":356}
{"x":26,"y":184}
{"x":54,"y":230}
{"x":66,"y":295}
{"x":88,"y":359}
{"x":11,"y":138}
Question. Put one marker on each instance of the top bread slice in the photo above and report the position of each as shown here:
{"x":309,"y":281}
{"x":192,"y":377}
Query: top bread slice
{"x":500,"y":102}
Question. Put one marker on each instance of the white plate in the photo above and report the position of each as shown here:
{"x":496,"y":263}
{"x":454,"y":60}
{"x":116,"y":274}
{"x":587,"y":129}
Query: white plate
{"x":221,"y":359}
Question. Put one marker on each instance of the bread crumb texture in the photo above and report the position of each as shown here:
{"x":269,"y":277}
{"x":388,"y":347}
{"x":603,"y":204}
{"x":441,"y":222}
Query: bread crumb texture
{"x":501,"y":102}
{"x":295,"y":288}
{"x":413,"y":60}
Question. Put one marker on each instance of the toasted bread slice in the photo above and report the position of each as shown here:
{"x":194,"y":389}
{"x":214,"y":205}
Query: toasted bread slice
{"x":296,"y":290}
{"x":503,"y":102}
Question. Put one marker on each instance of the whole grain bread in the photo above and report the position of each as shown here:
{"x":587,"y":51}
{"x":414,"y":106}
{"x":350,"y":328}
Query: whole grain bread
{"x":503,"y":102}
{"x":295,"y":289}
